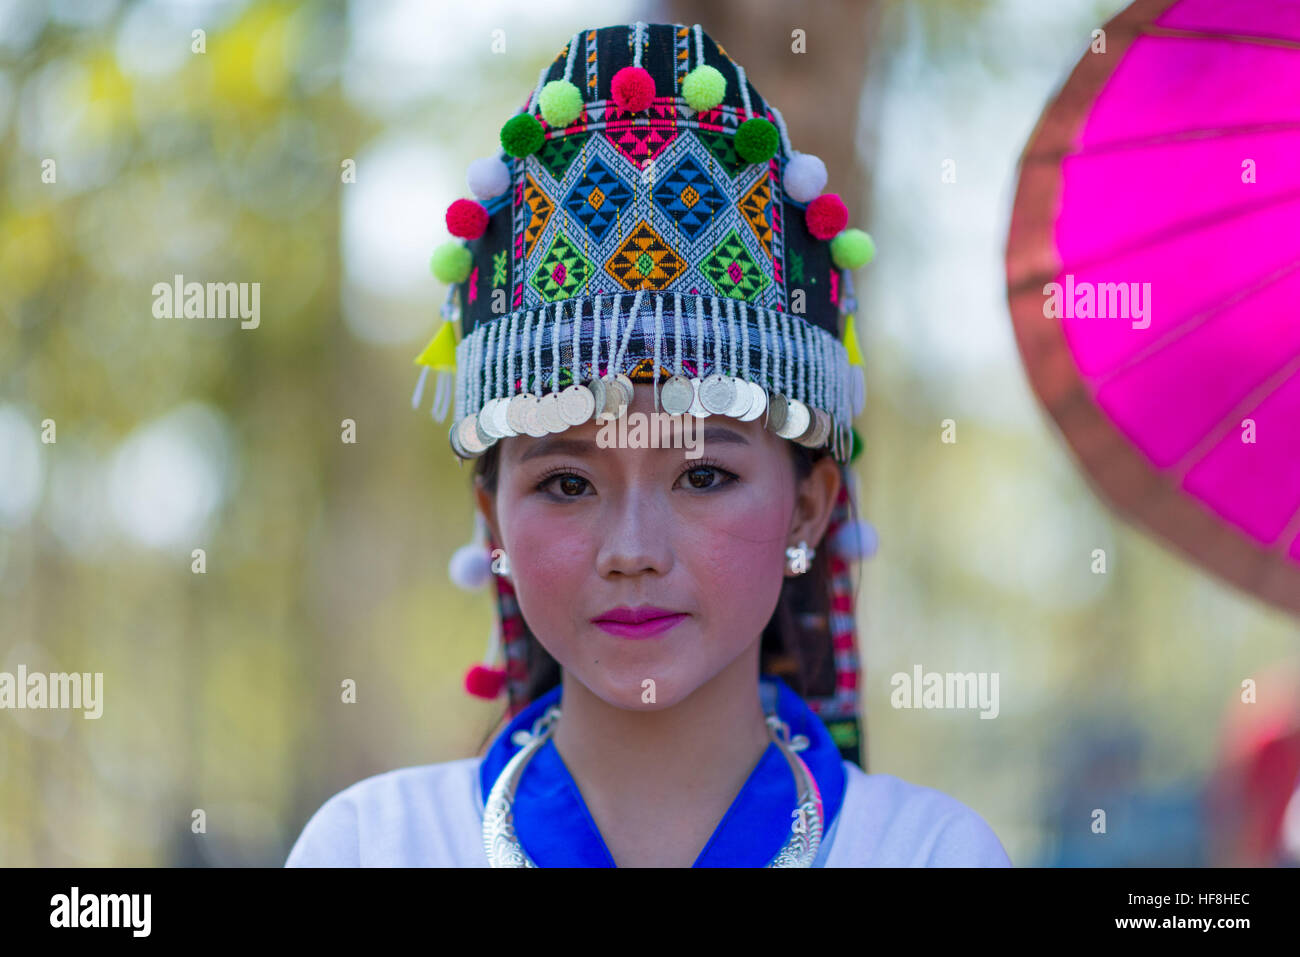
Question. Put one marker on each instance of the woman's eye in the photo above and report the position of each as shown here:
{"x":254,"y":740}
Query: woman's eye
{"x":699,"y":478}
{"x":567,"y":484}
{"x":702,"y":477}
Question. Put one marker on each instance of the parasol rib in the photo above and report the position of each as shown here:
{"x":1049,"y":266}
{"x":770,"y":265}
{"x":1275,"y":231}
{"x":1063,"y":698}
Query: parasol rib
{"x":1167,"y":138}
{"x":1190,"y":325}
{"x":1178,"y":33}
{"x":1172,"y":231}
{"x":1214,"y":435}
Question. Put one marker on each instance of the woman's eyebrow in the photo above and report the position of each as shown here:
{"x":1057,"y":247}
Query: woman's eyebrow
{"x":558,"y":447}
{"x":718,"y":433}
{"x":565,"y":446}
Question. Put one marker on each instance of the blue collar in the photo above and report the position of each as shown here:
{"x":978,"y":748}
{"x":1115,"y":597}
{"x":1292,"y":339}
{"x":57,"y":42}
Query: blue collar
{"x":556,"y":829}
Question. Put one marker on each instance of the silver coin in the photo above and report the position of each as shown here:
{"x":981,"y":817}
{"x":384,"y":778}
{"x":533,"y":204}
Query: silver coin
{"x":531,"y":416}
{"x":776,"y":409}
{"x":820,"y":430}
{"x":717,"y":392}
{"x":468,"y":432}
{"x":499,"y":418}
{"x":797,"y":420}
{"x":515,"y":409}
{"x":696,"y":408}
{"x":809,"y":436}
{"x":616,"y":400}
{"x":759,"y":405}
{"x":598,"y":394}
{"x":548,"y":413}
{"x":676,"y":395}
{"x":744,"y":399}
{"x":576,"y":404}
{"x":626,"y":383}
{"x":486,"y":416}
{"x":455,"y":442}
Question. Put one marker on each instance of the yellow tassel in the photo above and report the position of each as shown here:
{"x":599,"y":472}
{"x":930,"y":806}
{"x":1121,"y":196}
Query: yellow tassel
{"x":851,"y":342}
{"x":440,"y":353}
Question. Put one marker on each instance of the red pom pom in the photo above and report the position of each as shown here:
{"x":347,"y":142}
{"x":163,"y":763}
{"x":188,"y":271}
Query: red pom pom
{"x":632,"y":88}
{"x":484,"y":682}
{"x":466,"y":219}
{"x":826,"y":216}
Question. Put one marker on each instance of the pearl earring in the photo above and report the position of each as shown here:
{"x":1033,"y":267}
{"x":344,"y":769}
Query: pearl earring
{"x":798,"y":557}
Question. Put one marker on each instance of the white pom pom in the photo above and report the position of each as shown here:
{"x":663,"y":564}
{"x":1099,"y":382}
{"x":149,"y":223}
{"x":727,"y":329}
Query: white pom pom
{"x":470,"y":567}
{"x":805,"y":177}
{"x":487,"y":177}
{"x":856,"y":540}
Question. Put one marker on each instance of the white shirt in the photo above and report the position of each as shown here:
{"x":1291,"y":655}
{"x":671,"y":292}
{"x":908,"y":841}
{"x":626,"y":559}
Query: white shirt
{"x":432,"y":816}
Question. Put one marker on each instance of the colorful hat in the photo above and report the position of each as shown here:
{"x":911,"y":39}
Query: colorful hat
{"x":647,"y":222}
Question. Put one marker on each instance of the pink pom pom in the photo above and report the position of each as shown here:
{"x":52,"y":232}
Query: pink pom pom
{"x":484,"y":682}
{"x":632,"y":88}
{"x":466,"y":219}
{"x":826,"y":216}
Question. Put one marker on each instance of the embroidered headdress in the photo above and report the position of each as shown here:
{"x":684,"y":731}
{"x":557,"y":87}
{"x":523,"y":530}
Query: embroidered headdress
{"x":648,"y":222}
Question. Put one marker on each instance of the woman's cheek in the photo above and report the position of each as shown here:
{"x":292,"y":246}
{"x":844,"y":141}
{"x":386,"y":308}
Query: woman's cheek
{"x":549,"y":556}
{"x":741,"y":561}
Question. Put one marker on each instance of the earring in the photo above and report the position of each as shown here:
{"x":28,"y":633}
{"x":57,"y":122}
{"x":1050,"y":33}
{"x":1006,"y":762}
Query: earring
{"x":798,"y":557}
{"x":500,"y":562}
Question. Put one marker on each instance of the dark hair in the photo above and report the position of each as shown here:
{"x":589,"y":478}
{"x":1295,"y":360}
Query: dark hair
{"x":796,"y":643}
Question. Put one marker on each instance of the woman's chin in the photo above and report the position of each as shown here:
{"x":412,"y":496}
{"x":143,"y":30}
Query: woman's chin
{"x":637,"y":686}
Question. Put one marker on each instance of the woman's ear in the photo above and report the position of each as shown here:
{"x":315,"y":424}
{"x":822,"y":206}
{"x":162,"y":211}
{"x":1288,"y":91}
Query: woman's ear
{"x":815,"y":501}
{"x":487,"y":504}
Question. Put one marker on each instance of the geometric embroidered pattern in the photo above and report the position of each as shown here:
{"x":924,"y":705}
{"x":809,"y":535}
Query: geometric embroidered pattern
{"x":688,"y":195}
{"x":644,"y":261}
{"x":540,"y":207}
{"x":499,"y":269}
{"x":732,"y":270}
{"x":558,"y":152}
{"x":796,"y":267}
{"x":723,"y":149}
{"x":597,"y":199}
{"x":563,"y":271}
{"x":641,"y":142}
{"x":753,"y":206}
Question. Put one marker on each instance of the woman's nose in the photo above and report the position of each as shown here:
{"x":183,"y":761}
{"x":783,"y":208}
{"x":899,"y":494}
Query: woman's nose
{"x":636,"y":531}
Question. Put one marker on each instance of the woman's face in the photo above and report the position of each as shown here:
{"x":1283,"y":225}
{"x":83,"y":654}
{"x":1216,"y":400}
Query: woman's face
{"x":589,"y":530}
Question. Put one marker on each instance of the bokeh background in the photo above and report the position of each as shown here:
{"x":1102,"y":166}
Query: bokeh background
{"x":327,"y":561}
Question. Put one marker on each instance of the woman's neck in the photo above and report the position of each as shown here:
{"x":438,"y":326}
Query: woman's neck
{"x":657,"y":783}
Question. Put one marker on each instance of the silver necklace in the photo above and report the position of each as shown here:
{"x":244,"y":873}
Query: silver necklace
{"x":502,"y":846}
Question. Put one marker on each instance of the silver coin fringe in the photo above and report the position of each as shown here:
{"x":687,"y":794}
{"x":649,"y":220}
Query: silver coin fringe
{"x":801,"y":361}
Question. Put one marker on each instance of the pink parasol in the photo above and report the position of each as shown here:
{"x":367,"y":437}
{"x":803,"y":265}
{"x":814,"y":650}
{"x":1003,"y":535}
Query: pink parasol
{"x":1161,"y":193}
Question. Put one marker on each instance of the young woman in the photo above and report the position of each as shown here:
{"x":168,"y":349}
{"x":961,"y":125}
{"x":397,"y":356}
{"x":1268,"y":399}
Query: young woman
{"x":672,"y":267}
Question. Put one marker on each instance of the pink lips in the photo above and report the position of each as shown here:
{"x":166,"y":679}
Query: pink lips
{"x":643,"y":622}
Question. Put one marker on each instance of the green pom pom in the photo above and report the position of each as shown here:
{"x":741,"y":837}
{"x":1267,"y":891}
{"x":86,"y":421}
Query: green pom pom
{"x":704,"y":87}
{"x":561,"y":103}
{"x":757,"y":140}
{"x":451,"y":262}
{"x":522,"y":135}
{"x":852,"y":248}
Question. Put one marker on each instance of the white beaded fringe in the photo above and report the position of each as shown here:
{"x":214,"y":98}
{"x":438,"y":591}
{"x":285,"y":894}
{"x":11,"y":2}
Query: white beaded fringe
{"x":795,"y":358}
